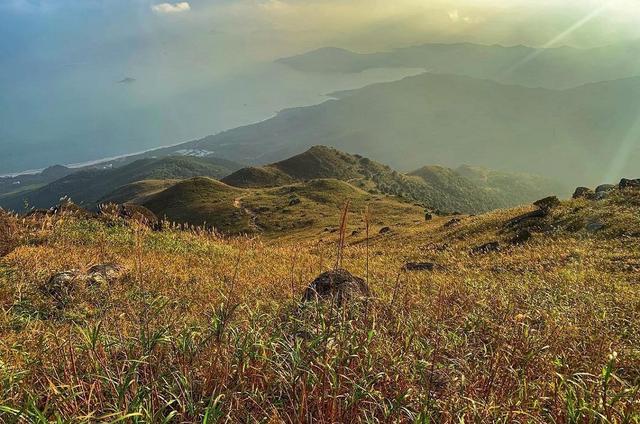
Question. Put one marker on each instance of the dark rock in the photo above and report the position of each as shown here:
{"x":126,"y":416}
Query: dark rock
{"x":583,"y":193}
{"x":355,"y":233}
{"x":547,"y":203}
{"x":533,"y":215}
{"x":452,"y":222}
{"x":521,"y":237}
{"x":605,"y":188}
{"x":384,"y":230}
{"x":428,"y":216}
{"x":103,"y":274}
{"x":339,"y":284}
{"x":626,"y":183}
{"x":593,"y":227}
{"x":294,"y":201}
{"x":61,"y":286}
{"x":419,"y":266}
{"x":603,"y":191}
{"x":493,"y":246}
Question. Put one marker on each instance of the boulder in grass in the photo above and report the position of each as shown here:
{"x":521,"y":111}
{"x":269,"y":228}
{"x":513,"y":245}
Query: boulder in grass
{"x":490,"y":247}
{"x":584,"y":193}
{"x":453,"y":222}
{"x":61,"y":286}
{"x":521,"y":237}
{"x":627,"y":183}
{"x":605,"y":188}
{"x":294,"y":201}
{"x":595,"y":226}
{"x":548,"y":203}
{"x":385,"y":230}
{"x":419,"y":266}
{"x":339,"y":285}
{"x":103,"y":274}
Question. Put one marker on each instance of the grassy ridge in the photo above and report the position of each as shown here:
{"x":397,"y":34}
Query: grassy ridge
{"x":308,"y":207}
{"x":202,"y":329}
{"x":466,"y":189}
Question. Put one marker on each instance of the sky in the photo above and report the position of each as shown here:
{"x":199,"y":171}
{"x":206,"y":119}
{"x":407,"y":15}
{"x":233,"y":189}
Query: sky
{"x":81,"y":79}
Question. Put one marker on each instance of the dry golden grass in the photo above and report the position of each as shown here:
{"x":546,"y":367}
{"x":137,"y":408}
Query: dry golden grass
{"x":206,"y":329}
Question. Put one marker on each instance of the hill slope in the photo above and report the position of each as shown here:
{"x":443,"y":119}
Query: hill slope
{"x":87,"y":187}
{"x":452,"y":120}
{"x":548,"y":324}
{"x":287,"y":210}
{"x":435,"y":187}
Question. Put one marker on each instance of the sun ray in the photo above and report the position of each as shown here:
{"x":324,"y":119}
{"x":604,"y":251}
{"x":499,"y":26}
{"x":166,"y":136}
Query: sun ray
{"x":577,"y":25}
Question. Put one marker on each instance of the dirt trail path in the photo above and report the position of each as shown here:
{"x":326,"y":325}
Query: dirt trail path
{"x":253,"y":218}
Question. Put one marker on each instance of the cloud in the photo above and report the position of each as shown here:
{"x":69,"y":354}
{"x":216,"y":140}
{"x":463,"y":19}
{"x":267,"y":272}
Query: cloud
{"x":164,"y":8}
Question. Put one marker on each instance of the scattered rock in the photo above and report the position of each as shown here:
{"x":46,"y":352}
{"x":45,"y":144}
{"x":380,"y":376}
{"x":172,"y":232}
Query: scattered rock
{"x":583,"y":193}
{"x":593,"y":227}
{"x":419,"y":266}
{"x":384,"y":230}
{"x":339,"y":284}
{"x":533,"y":215}
{"x":294,"y":201}
{"x":605,"y":188}
{"x":103,"y":274}
{"x":547,"y":203}
{"x":428,"y":216}
{"x":493,"y":246}
{"x":61,"y":286}
{"x":355,"y":233}
{"x":452,"y":222}
{"x":626,"y":183}
{"x":521,"y":237}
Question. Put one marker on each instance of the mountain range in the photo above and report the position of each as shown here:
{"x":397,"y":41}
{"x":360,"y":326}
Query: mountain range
{"x":300,"y":192}
{"x":561,"y":67}
{"x":453,"y":120}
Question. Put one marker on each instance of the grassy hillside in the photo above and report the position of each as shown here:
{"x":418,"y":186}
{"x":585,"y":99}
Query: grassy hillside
{"x":201,"y":201}
{"x":452,"y":120}
{"x":137,"y":192}
{"x":435,"y":187}
{"x":308,"y":207}
{"x":552,"y":68}
{"x":192,"y":327}
{"x":256,"y":177}
{"x":87,"y":187}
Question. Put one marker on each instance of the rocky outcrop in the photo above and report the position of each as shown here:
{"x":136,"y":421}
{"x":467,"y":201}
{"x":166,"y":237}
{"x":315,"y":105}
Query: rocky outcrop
{"x":626,"y":183}
{"x":584,"y":193}
{"x":338,"y":285}
{"x":62,"y":286}
{"x":547,"y":203}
